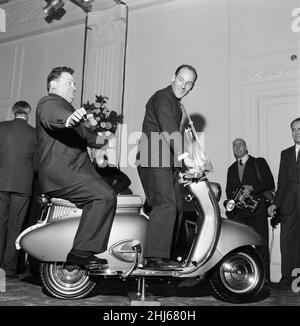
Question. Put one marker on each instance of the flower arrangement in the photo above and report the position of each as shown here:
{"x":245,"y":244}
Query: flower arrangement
{"x":100,"y":118}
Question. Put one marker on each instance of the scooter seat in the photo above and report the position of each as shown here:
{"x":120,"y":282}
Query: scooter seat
{"x":122,"y":201}
{"x":129,"y":201}
{"x":62,"y":208}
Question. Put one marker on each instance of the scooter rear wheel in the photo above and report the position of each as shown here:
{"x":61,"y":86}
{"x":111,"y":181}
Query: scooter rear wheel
{"x":65,"y":281}
{"x":239,"y":277}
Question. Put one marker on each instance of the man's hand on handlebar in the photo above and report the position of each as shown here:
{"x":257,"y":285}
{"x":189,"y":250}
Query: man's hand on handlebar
{"x":189,"y":162}
{"x":193,"y":167}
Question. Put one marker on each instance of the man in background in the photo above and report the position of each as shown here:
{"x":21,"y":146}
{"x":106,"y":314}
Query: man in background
{"x":287,"y":204}
{"x":17,"y":150}
{"x":255,"y":176}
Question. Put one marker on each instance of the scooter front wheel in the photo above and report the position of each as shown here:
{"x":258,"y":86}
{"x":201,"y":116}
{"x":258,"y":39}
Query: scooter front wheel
{"x":239,"y":277}
{"x":65,"y":281}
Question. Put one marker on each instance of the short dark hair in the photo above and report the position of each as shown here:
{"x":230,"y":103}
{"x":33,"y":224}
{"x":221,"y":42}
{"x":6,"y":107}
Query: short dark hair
{"x":21,"y":107}
{"x":56,"y":73}
{"x":187,"y":67}
{"x":295,"y":120}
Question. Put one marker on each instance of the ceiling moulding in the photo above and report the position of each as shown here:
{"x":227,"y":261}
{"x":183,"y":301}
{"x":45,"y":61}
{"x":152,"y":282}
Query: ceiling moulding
{"x":100,"y":5}
{"x":141,"y":4}
{"x":270,"y":66}
{"x":26,"y":18}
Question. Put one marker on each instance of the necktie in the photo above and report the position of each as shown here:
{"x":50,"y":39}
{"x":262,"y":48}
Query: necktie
{"x":298,"y":167}
{"x":182,"y":117}
{"x":240,"y":169}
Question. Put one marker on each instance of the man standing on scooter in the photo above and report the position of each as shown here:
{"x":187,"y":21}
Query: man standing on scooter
{"x":159,"y":159}
{"x":65,"y":170}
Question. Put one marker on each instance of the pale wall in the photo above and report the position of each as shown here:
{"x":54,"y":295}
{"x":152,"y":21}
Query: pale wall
{"x":163,"y":37}
{"x":241,"y":49}
{"x":29,"y":61}
{"x":31,"y":47}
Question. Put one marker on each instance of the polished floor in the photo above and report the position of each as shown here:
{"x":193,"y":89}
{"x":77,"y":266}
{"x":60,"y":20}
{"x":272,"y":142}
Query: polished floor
{"x":27,"y":291}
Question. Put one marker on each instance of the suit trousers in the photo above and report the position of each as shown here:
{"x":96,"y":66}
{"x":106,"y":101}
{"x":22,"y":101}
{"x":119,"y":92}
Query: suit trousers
{"x":290,"y":239}
{"x":98,"y":201}
{"x":13,"y":209}
{"x":164,"y":196}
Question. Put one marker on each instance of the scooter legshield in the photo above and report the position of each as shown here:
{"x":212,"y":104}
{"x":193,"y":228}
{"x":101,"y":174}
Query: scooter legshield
{"x":234,"y":235}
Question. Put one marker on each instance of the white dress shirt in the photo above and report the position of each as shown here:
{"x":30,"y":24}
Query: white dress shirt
{"x":297,"y":147}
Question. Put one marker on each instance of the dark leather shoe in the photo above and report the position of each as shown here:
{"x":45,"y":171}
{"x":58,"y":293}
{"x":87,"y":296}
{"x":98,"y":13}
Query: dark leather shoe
{"x":88,"y":261}
{"x":161,"y":264}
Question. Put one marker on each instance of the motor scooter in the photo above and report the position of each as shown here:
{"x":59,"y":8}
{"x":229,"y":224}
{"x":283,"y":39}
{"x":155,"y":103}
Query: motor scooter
{"x":224,"y":252}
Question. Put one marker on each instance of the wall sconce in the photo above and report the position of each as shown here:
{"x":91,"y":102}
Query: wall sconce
{"x":53,"y":5}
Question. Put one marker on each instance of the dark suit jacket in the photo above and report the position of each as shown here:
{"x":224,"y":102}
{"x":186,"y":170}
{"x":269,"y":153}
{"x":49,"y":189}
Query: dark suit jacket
{"x":161,"y":139}
{"x":62,"y":157}
{"x":250,"y":178}
{"x":287,"y":182}
{"x":17,"y":149}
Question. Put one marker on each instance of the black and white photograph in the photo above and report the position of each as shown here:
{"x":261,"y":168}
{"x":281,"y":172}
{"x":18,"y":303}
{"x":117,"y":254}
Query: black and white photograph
{"x":149,"y":157}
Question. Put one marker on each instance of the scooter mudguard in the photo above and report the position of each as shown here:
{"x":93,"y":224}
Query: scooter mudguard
{"x":52,"y":242}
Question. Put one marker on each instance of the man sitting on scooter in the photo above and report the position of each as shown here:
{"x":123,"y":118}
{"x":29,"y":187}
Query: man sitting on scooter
{"x":65,"y":170}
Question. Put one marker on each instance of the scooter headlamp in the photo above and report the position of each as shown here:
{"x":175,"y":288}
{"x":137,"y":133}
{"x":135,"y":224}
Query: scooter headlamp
{"x":230,"y":204}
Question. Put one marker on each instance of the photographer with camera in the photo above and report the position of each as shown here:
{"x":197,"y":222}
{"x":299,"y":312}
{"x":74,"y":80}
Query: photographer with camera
{"x":255,"y":177}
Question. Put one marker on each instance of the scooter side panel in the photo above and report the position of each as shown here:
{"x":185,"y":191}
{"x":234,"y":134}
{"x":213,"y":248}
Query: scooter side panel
{"x":53,"y":241}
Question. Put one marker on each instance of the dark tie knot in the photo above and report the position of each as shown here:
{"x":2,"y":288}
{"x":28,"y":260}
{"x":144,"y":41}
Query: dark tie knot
{"x":240,"y":162}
